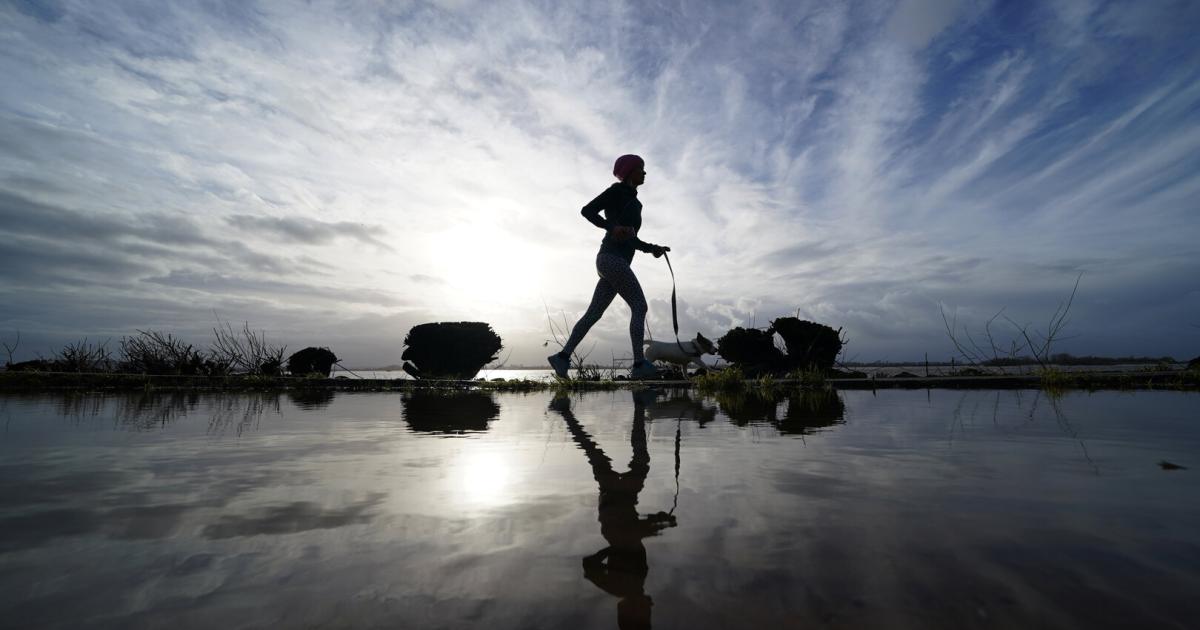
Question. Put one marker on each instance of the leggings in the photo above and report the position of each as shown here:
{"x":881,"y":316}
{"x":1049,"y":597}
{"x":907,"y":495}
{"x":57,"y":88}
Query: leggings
{"x":615,"y":278}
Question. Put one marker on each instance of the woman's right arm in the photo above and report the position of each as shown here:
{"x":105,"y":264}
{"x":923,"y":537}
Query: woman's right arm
{"x":591,"y":211}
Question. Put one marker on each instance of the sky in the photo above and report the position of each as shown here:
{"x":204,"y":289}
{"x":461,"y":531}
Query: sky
{"x":334,"y":173}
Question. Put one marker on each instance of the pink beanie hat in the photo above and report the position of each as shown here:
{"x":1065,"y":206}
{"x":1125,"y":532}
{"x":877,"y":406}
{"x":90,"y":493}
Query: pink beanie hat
{"x":626,"y":165}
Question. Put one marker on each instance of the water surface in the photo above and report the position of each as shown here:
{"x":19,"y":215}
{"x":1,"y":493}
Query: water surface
{"x":897,"y":509}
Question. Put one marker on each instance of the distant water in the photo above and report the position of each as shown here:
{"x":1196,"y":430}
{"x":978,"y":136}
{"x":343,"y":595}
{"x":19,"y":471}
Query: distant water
{"x":889,"y":509}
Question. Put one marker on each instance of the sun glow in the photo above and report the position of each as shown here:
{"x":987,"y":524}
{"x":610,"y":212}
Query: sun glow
{"x":482,"y":265}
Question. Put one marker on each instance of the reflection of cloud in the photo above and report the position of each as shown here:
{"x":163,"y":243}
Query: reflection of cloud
{"x":193,"y":564}
{"x":144,"y":522}
{"x":34,"y":530}
{"x":294,"y":517}
{"x":19,"y":486}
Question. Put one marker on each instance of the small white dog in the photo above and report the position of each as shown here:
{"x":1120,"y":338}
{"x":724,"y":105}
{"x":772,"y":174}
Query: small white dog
{"x":681,"y":353}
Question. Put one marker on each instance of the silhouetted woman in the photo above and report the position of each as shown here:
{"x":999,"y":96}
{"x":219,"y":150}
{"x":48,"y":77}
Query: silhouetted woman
{"x":621,"y":221}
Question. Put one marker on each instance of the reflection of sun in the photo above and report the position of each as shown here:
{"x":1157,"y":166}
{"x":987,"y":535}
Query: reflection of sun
{"x":482,"y":263}
{"x":484,"y":478}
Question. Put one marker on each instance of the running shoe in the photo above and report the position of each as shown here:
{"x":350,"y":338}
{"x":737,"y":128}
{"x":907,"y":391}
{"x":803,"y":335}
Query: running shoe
{"x":560,"y":364}
{"x":643,"y":370}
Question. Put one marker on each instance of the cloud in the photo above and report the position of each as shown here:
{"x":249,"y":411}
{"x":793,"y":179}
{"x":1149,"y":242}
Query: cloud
{"x":350,"y":163}
{"x":309,"y":231}
{"x":221,"y":284}
{"x":916,"y":22}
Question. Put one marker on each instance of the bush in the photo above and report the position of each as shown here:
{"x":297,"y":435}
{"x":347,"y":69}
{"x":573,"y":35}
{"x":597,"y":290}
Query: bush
{"x":82,"y":356}
{"x":153,"y":352}
{"x":245,"y":351}
{"x":810,"y":346}
{"x":751,"y":349}
{"x":727,"y":380}
{"x":310,"y":360}
{"x":33,"y":365}
{"x":456,"y":350}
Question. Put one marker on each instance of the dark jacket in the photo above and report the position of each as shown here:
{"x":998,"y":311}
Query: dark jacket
{"x":621,"y":207}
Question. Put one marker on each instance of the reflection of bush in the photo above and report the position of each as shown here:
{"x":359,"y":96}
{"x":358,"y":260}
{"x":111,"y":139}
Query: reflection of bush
{"x":80,"y":406}
{"x":812,"y":409}
{"x":679,"y":405}
{"x":455,"y":350}
{"x":449,"y":412}
{"x":749,"y":406}
{"x":241,"y":411}
{"x":311,"y":398}
{"x":149,"y":410}
{"x":152,"y":410}
{"x":806,"y":409}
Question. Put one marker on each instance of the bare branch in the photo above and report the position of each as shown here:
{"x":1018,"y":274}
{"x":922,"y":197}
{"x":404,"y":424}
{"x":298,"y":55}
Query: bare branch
{"x":1037,"y":343}
{"x":82,"y":356}
{"x":13,"y":348}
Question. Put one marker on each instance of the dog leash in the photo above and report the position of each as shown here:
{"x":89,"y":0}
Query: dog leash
{"x":674,"y":310}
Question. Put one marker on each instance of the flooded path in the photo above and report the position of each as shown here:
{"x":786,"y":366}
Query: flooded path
{"x":663,"y":508}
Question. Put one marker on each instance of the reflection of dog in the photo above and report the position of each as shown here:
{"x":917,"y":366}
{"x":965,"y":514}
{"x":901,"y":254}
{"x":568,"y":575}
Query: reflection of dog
{"x":681,"y":353}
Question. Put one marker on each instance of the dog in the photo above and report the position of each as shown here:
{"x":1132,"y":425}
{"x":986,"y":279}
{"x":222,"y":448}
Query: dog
{"x":682,"y":353}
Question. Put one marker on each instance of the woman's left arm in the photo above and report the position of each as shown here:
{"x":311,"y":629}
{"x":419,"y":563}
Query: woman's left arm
{"x":649,"y":248}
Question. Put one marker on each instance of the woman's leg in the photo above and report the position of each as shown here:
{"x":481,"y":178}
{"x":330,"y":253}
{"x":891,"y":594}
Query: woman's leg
{"x":601,"y":298}
{"x":618,"y":274}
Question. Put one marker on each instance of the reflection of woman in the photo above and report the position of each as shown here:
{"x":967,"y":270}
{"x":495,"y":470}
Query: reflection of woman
{"x":621,"y":221}
{"x":620,"y":569}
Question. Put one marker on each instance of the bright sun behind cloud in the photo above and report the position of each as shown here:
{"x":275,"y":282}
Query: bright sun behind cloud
{"x":484,"y":270}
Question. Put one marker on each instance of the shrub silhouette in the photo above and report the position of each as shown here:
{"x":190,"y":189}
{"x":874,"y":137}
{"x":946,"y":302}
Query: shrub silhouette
{"x":810,"y":346}
{"x":33,"y":365}
{"x":455,"y":350}
{"x":310,"y":360}
{"x":154,"y":352}
{"x":752,"y":350}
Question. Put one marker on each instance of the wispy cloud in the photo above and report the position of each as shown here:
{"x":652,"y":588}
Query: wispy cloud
{"x":309,"y":231}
